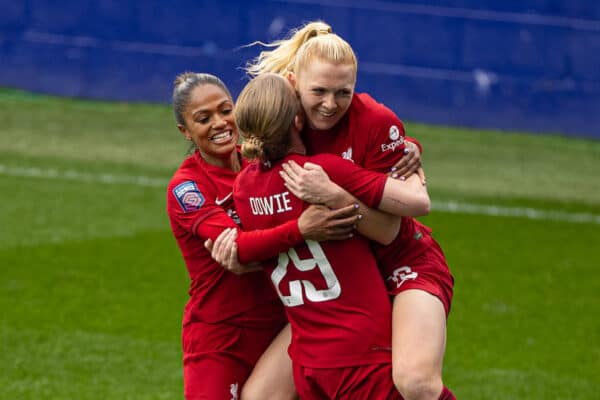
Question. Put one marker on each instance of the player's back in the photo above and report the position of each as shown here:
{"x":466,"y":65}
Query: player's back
{"x":334,"y":295}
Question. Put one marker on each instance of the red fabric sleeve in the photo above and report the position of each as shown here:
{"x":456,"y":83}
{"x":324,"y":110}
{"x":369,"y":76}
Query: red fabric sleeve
{"x":253,"y":246}
{"x":382,"y":150}
{"x":415,"y":141}
{"x":212,"y":223}
{"x":262,"y":244}
{"x":365,"y":185}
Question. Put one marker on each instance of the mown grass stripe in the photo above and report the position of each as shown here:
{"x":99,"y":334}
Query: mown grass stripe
{"x":445,"y":206}
{"x":517,"y":212}
{"x":51,"y":173}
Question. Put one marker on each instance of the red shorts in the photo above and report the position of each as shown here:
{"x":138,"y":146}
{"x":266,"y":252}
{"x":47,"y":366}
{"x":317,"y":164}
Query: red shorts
{"x":218,"y":358}
{"x":426,"y":270}
{"x":373,"y":381}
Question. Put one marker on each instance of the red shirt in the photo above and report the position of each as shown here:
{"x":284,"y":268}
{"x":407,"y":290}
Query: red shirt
{"x":335,"y":299}
{"x":200,"y":206}
{"x":371,"y":136}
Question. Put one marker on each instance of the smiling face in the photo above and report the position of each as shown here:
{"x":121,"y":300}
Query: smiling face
{"x":325,"y":91}
{"x":210,"y":124}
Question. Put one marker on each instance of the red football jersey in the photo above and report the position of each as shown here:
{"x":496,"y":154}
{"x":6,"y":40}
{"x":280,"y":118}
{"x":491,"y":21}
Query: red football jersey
{"x":200,"y":206}
{"x":372,"y":136}
{"x":335,"y":298}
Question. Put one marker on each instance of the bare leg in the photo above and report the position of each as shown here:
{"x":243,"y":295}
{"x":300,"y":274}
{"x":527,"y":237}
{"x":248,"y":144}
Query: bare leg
{"x":271,"y":378}
{"x":418,"y":344}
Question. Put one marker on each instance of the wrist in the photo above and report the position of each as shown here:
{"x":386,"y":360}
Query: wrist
{"x":339,"y":198}
{"x":301,"y":229}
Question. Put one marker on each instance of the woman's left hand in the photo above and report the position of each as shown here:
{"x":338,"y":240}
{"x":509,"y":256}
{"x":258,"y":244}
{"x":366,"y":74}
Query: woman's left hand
{"x":409,"y":164}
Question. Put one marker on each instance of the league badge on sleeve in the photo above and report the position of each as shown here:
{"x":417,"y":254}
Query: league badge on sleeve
{"x":188,"y":196}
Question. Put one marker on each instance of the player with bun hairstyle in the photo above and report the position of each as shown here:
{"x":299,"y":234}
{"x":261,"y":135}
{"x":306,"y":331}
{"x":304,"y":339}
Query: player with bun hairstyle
{"x":334,"y":297}
{"x":229,"y":319}
{"x":323,"y":68}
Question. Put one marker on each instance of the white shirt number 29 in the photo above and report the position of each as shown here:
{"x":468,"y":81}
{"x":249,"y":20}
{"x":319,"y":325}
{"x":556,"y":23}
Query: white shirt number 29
{"x":318,"y":260}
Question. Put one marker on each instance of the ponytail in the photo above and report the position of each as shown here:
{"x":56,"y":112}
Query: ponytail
{"x":281,"y":60}
{"x":252,"y":148}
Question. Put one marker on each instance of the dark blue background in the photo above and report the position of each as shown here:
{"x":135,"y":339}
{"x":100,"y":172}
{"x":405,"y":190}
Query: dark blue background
{"x":521,"y":65}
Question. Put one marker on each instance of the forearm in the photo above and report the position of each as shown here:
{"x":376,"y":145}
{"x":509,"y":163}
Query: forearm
{"x":376,"y":225}
{"x":405,"y":198}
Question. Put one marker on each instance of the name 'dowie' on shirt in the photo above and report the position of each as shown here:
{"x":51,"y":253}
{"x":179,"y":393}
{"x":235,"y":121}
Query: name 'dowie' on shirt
{"x":269,"y":205}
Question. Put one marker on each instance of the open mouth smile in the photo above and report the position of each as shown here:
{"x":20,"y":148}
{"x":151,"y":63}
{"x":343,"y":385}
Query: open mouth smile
{"x":222,"y":137}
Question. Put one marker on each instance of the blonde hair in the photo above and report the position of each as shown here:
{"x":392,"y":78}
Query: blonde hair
{"x":315,"y":40}
{"x":264,"y":113}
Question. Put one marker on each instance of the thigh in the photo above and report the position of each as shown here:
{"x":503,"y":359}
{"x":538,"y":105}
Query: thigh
{"x":272,"y":378}
{"x":218,"y":358}
{"x":214,"y":376}
{"x":418,"y":332}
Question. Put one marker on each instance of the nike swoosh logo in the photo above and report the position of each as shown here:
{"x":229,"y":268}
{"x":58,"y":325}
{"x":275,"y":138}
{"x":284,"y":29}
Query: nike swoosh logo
{"x":219,"y":201}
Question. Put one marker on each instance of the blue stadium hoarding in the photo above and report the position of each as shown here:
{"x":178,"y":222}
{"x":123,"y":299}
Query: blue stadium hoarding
{"x":519,"y":65}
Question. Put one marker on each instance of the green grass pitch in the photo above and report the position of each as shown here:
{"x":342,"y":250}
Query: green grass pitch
{"x":92,"y":285}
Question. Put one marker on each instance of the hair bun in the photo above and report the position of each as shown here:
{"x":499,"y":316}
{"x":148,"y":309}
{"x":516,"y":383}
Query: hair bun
{"x":252,"y":147}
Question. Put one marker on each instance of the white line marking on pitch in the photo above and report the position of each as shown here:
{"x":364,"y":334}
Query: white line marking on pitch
{"x":518,"y":212}
{"x":32,"y":172}
{"x":445,"y":206}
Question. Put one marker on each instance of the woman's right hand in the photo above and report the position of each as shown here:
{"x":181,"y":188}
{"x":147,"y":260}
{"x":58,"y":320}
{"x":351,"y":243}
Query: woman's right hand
{"x":311,"y":184}
{"x":224,"y":251}
{"x":319,"y":223}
